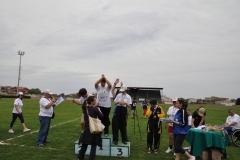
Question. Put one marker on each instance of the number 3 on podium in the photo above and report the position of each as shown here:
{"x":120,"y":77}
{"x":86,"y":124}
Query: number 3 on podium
{"x":120,"y":151}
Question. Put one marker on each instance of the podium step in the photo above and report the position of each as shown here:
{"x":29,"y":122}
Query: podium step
{"x":120,"y":150}
{"x":108,"y":148}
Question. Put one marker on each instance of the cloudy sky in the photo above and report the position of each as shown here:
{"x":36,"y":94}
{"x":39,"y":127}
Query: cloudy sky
{"x":189,"y":48}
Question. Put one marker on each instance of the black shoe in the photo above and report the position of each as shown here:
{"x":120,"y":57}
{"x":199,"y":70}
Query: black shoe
{"x":124,"y":142}
{"x":115,"y":142}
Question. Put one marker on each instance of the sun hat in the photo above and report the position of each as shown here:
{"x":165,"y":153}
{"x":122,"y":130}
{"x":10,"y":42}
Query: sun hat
{"x":201,"y":111}
{"x":48,"y":91}
{"x":20,"y":93}
{"x":174,"y":99}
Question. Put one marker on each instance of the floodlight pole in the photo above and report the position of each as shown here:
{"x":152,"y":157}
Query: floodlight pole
{"x":19,"y":72}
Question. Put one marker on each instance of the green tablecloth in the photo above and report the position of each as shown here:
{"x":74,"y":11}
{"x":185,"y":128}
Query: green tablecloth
{"x":200,"y":140}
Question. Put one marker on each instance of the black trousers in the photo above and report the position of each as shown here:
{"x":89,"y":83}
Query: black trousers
{"x":105,"y":120}
{"x":178,"y":141}
{"x":120,"y":123}
{"x":15,"y":116}
{"x":153,"y":136}
{"x":83,"y":150}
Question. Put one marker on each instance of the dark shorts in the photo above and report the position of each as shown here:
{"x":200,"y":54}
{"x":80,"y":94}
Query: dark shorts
{"x":133,"y":108}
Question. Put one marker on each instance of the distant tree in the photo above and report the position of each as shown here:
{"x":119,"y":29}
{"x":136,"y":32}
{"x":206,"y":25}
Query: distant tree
{"x":62,"y":94}
{"x":238,"y":101}
{"x":34,"y":91}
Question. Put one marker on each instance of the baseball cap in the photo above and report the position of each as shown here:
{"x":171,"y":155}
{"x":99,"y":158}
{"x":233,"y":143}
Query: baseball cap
{"x":123,"y":88}
{"x":48,"y":91}
{"x":20,"y":93}
{"x":201,"y":111}
{"x":174,"y":99}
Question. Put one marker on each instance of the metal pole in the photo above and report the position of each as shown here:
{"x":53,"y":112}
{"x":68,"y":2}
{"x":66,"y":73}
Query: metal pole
{"x":19,"y":72}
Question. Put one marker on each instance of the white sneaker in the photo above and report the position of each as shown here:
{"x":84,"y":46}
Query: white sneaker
{"x":26,"y":130}
{"x":10,"y":131}
{"x":149,"y":150}
{"x":168,"y":150}
{"x":174,"y":154}
{"x":192,"y":158}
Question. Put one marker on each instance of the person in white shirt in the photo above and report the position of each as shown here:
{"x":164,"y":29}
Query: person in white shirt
{"x":17,"y":113}
{"x":103,"y":88}
{"x":45,"y":116}
{"x":170,"y":114}
{"x":189,"y":118}
{"x":83,"y":96}
{"x":122,"y":100}
{"x":232,"y":121}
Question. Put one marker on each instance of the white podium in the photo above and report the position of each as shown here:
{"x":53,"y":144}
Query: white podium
{"x":120,"y":150}
{"x":108,"y":148}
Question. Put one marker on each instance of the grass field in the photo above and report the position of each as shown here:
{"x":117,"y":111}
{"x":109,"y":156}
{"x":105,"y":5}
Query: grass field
{"x":65,"y":130}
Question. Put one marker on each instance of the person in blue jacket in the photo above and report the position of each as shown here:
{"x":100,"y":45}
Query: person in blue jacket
{"x":180,"y":129}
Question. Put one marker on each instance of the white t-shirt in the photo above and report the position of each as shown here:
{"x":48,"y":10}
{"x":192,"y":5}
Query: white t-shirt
{"x":234,"y":118}
{"x":43,"y":111}
{"x":171,"y":113}
{"x":125,"y":98}
{"x":103,"y":96}
{"x":19,"y":103}
{"x":189,"y":120}
{"x":82,"y":99}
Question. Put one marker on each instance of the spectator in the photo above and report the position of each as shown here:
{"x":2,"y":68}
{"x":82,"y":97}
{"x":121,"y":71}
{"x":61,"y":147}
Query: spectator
{"x":180,"y":129}
{"x":232,"y":121}
{"x":17,"y":113}
{"x":122,"y":100}
{"x":154,"y":126}
{"x":144,"y":106}
{"x":189,"y":118}
{"x":86,"y":137}
{"x":198,"y":117}
{"x":170,"y":114}
{"x":103,"y":100}
{"x":45,"y":115}
{"x":133,"y":106}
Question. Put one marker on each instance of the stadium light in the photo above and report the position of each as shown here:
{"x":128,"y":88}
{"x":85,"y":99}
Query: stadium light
{"x":19,"y":72}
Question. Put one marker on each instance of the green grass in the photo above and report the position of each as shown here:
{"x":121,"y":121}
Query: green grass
{"x":66,"y":130}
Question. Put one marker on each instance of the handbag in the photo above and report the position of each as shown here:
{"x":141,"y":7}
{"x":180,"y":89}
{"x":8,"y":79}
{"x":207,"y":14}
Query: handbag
{"x":95,"y":124}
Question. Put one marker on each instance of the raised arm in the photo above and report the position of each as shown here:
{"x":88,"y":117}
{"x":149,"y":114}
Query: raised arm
{"x":98,"y":81}
{"x":107,"y":81}
{"x":113,"y":88}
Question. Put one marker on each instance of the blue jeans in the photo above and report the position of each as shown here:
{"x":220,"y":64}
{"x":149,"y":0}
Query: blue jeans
{"x":229,"y":130}
{"x":44,"y":128}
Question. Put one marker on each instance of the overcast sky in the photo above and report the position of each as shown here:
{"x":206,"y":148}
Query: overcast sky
{"x":188,"y":48}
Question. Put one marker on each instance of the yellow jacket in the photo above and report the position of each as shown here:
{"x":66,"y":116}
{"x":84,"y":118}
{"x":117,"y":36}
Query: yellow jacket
{"x":155,"y":122}
{"x":161,"y":115}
